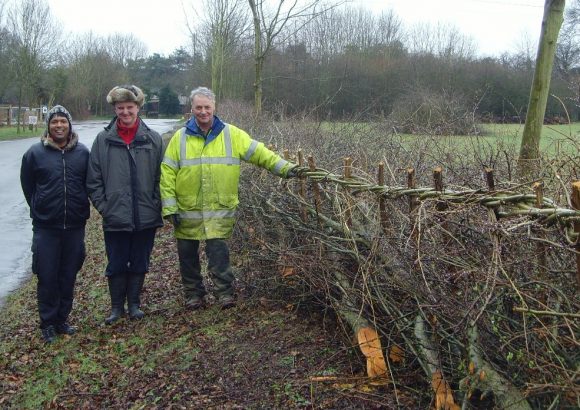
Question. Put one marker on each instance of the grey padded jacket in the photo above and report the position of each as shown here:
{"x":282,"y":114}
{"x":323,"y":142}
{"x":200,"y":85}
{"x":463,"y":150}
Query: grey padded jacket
{"x":123,"y":180}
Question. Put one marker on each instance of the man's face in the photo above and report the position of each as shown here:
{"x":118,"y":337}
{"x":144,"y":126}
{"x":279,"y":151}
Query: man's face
{"x":59,"y":129}
{"x":203,"y":108}
{"x":127,"y":112}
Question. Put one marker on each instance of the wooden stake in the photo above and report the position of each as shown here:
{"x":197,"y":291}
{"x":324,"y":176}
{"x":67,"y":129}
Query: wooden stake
{"x":438,"y":178}
{"x":315,"y":189}
{"x":382,"y":202}
{"x":412,"y":184}
{"x":576,"y":205}
{"x":489,"y":179}
{"x":541,"y":248}
{"x":347,"y":175}
{"x":302,"y":189}
{"x":413,"y":203}
{"x":441,"y":205}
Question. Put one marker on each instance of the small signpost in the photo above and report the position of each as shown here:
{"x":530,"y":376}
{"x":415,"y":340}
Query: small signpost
{"x":32,"y":121}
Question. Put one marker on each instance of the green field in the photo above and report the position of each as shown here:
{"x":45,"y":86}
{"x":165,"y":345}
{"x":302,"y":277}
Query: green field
{"x":9,"y":133}
{"x":555,"y":138}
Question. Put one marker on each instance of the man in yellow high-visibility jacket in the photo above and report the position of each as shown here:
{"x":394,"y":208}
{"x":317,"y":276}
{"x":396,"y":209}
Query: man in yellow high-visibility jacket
{"x":199,"y":191}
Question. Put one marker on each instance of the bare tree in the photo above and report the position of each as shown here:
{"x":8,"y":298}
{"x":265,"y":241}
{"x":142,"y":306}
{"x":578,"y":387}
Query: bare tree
{"x":220,"y":30}
{"x":2,"y":11}
{"x":269,"y":24}
{"x":356,"y":28}
{"x":389,"y":27}
{"x":573,"y":13}
{"x":525,"y":49}
{"x":92,"y":71}
{"x":5,"y":57}
{"x":568,"y":51}
{"x":37,"y":36}
{"x":124,"y":47}
{"x":441,"y":40}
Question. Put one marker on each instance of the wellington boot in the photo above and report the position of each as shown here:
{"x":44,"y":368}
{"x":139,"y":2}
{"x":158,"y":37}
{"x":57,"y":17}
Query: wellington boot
{"x":117,"y":290}
{"x":134,"y":286}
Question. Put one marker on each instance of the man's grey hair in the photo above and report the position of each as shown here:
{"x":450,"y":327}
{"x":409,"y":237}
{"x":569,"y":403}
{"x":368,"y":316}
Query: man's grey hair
{"x":206,"y":92}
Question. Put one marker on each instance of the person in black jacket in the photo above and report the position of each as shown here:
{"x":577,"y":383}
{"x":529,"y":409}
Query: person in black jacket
{"x":53,"y":175}
{"x":123,"y":184}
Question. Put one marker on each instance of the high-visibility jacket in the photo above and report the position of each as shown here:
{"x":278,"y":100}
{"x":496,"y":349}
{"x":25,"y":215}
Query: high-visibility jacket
{"x":200,"y":177}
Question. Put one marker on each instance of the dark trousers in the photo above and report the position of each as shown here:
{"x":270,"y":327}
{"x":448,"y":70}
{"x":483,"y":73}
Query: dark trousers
{"x":128,"y":252}
{"x":220,"y":272}
{"x":57,"y":256}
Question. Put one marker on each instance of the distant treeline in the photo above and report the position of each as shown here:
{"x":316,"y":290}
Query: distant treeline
{"x":342,"y":63}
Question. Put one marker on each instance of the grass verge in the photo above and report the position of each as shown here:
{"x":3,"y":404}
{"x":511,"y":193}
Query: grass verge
{"x":10,"y":133}
{"x":260,"y":354}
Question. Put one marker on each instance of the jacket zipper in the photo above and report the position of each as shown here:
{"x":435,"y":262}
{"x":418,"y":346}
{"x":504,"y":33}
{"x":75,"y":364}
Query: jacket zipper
{"x":134,"y":203}
{"x":65,"y":191}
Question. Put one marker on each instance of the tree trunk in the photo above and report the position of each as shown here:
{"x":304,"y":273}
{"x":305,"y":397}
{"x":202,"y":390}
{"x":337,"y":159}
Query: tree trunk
{"x":530,"y":147}
{"x":258,"y":86}
{"x":258,"y":58}
{"x":19,"y":112}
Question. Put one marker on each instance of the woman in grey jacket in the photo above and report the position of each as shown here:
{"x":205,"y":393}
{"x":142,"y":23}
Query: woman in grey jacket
{"x":123,"y":185}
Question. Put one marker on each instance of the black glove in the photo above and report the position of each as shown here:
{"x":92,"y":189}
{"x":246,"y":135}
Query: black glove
{"x":175,"y":219}
{"x":292,"y":172}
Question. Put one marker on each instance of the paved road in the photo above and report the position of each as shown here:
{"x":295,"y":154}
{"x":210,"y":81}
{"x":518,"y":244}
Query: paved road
{"x":15,"y":226}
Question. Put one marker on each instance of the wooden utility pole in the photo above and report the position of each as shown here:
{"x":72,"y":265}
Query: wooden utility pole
{"x":530,"y":147}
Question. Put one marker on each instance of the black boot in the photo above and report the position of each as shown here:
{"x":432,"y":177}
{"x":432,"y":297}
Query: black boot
{"x":134,"y":285}
{"x":117,"y":290}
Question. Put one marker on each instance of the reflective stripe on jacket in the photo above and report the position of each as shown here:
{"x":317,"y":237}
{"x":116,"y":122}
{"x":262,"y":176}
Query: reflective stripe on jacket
{"x":199,"y":179}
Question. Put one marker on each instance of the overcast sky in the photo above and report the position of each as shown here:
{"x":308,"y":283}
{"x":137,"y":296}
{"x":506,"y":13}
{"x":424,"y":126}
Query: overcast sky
{"x":495,"y":25}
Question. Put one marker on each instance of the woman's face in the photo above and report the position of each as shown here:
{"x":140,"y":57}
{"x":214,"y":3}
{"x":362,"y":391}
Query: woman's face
{"x":127,"y":112}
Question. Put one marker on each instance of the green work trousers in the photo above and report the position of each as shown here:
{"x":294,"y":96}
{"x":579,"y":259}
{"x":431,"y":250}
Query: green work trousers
{"x":219,"y":269}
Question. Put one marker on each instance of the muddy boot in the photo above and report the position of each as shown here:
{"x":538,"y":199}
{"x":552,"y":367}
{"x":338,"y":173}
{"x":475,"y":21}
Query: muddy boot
{"x":117,"y":290}
{"x":134,"y":285}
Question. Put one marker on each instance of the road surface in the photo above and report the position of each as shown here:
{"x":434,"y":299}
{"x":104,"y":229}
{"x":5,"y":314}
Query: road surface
{"x":15,"y":224}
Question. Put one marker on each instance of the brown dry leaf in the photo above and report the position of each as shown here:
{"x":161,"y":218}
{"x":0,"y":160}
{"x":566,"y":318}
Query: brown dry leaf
{"x":443,"y":394}
{"x":13,"y":378}
{"x":288,"y":271}
{"x":433,"y":320}
{"x":482,"y":375}
{"x":365,"y":388}
{"x":74,"y":366}
{"x":396,"y":354}
{"x":471,"y":368}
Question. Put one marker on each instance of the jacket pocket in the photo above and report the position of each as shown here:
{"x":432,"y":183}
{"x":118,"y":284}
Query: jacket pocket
{"x":117,"y":210}
{"x":228,"y":200}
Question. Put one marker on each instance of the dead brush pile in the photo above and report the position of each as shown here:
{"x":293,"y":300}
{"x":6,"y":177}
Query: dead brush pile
{"x":473,"y":292}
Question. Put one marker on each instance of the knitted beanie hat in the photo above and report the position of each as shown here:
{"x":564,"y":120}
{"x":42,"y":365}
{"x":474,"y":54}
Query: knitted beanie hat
{"x":63,"y":112}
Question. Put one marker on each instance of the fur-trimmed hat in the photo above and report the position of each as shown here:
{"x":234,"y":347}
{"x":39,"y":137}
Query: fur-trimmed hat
{"x":126,"y":93}
{"x":63,"y":112}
